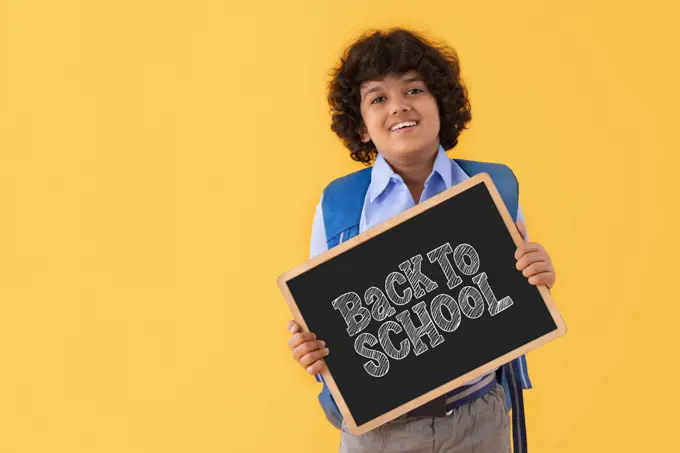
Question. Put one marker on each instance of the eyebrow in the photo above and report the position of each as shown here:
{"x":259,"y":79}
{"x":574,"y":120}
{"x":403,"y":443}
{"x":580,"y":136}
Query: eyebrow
{"x":413,"y":78}
{"x":371,"y":90}
{"x":409,"y":79}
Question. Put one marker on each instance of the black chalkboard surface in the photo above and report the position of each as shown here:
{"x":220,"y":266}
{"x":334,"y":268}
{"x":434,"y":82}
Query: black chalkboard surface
{"x":421,"y":304}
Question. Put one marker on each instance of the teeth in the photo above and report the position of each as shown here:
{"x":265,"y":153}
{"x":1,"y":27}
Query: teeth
{"x":402,"y":125}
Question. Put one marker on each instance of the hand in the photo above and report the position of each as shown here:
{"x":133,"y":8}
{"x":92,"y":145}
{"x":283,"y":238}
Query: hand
{"x":306,"y":349}
{"x":534,"y":261}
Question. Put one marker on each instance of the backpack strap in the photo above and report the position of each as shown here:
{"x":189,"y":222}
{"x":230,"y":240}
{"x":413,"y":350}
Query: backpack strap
{"x":342,"y":203}
{"x":503,"y":178}
{"x":511,"y":375}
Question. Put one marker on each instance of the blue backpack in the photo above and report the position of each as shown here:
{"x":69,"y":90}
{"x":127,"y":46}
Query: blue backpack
{"x":343,"y":201}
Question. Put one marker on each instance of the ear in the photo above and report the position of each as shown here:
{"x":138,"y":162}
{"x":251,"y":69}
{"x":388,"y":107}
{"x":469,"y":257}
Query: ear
{"x":363,"y":133}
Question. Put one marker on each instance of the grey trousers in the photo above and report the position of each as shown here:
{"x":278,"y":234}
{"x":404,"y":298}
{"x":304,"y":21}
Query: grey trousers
{"x":480,"y":426}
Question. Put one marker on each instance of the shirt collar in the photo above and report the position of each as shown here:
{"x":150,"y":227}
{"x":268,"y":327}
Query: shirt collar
{"x":382,"y":173}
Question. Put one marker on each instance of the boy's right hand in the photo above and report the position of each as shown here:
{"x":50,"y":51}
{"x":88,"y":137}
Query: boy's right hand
{"x":306,"y":349}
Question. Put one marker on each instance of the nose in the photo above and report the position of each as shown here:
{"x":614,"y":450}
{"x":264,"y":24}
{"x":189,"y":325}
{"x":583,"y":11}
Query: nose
{"x":399,"y":104}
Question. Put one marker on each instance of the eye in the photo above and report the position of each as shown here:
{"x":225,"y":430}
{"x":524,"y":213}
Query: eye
{"x":378,"y":99}
{"x":414,"y":90}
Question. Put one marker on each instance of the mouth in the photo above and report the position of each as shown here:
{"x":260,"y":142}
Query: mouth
{"x":404,"y":126}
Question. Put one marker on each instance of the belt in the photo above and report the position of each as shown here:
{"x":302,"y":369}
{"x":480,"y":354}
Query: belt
{"x":509,"y":374}
{"x":445,"y":404}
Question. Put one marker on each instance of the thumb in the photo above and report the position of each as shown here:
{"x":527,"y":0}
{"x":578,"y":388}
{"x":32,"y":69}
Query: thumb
{"x":522,"y":229}
{"x":293,"y":327}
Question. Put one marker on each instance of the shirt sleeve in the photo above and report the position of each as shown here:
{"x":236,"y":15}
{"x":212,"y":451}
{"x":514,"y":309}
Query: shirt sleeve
{"x":524,"y":370}
{"x":318,"y":242}
{"x":520,"y":216}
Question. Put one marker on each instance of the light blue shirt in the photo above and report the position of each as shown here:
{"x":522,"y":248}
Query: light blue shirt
{"x":388,"y":195}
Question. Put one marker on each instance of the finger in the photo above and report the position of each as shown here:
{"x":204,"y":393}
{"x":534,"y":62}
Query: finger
{"x":531,"y":257}
{"x":299,"y":338}
{"x":527,"y":247}
{"x":307,"y":347}
{"x":316,"y":368}
{"x":522,"y":229}
{"x":537,"y":268}
{"x":544,"y":278}
{"x":309,"y":359}
{"x":293,"y":327}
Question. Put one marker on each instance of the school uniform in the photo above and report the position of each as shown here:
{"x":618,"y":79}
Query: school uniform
{"x":476,"y":416}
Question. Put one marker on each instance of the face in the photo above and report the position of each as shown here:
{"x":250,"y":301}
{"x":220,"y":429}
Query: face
{"x":400,"y":116}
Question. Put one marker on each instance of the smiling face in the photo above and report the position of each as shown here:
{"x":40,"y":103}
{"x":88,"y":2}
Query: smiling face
{"x":400,"y":116}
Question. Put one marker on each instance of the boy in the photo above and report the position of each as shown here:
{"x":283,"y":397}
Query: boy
{"x":397,"y":101}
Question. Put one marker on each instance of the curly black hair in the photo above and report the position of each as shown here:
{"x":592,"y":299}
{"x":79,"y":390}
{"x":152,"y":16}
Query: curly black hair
{"x":395,"y":51}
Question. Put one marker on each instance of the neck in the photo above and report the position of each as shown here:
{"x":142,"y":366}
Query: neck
{"x":414,"y":168}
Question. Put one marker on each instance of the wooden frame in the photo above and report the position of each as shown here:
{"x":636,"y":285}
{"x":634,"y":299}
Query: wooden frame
{"x":384,"y":226}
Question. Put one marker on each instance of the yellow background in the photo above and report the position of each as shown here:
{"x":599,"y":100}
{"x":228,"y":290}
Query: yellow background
{"x":159,"y":166}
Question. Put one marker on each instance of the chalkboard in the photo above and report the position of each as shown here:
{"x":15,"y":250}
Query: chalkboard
{"x":448,"y":264}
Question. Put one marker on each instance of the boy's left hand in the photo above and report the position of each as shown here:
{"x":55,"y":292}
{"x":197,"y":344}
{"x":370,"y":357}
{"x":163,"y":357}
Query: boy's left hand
{"x":534,"y":261}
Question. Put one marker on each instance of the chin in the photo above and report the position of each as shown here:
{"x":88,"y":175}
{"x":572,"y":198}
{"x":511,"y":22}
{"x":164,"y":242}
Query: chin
{"x":410,"y":146}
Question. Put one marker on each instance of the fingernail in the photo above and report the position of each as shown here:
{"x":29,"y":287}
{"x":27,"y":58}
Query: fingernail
{"x":325,"y":351}
{"x":291,"y":329}
{"x":323,"y":343}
